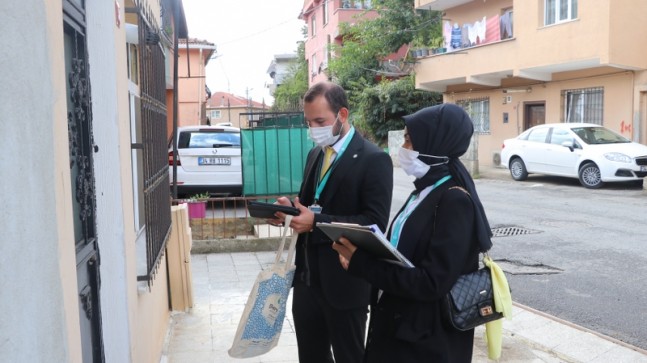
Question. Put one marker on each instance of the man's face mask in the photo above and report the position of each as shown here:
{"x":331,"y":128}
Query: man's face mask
{"x":323,"y":135}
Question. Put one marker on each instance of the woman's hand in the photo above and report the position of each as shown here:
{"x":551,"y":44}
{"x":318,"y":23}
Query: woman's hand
{"x":345,"y":248}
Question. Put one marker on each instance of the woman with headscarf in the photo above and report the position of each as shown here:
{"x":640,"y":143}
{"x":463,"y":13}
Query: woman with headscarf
{"x":441,"y":229}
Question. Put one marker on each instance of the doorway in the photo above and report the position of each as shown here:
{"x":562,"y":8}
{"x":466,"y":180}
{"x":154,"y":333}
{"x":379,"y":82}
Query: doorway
{"x":83,"y":201}
{"x":534,"y":113}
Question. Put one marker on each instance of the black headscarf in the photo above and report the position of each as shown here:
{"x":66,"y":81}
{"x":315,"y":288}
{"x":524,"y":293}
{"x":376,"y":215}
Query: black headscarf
{"x":446,"y":130}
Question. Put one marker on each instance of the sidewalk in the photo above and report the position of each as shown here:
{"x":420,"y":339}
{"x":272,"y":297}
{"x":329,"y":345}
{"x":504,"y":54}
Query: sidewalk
{"x":221,"y":285}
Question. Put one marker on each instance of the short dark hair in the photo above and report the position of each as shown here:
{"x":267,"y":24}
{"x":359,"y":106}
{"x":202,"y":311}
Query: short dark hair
{"x":334,"y":94}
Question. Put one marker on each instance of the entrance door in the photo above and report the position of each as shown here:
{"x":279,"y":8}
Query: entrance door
{"x":79,"y":118}
{"x":534,"y":114}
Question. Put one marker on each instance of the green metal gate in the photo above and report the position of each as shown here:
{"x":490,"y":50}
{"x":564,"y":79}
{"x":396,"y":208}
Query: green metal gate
{"x":273,"y":159}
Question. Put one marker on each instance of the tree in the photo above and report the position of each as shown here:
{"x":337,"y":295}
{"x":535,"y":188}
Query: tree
{"x":380,"y":108}
{"x":380,"y":104}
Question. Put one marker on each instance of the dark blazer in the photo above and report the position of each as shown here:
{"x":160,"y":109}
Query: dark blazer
{"x":407,"y":324}
{"x":358,"y":191}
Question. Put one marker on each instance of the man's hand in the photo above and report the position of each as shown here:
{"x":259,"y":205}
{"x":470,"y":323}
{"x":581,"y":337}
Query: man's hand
{"x":346,"y":249}
{"x":304,"y":222}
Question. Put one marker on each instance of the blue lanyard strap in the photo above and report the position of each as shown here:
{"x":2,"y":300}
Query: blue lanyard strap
{"x":322,"y":183}
{"x":399,"y":221}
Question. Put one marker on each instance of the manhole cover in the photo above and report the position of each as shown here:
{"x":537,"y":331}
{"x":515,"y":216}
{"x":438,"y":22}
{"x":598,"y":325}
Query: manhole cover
{"x":511,"y":231}
{"x":525,"y":268}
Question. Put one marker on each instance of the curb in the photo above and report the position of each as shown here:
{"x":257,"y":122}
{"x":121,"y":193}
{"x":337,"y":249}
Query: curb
{"x":580,"y":328}
{"x":232,"y":245}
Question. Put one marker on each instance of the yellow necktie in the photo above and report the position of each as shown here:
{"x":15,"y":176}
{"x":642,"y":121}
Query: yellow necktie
{"x":326,"y":162}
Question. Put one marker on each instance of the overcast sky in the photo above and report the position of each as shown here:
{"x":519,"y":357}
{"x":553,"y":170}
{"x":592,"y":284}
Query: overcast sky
{"x":247,"y":35}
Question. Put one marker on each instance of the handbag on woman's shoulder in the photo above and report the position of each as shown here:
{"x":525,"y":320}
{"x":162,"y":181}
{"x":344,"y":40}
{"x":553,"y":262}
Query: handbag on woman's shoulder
{"x":470,"y":302}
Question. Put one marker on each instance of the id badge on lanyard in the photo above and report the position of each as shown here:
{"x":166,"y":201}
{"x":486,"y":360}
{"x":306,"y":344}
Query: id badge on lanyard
{"x":315,"y":208}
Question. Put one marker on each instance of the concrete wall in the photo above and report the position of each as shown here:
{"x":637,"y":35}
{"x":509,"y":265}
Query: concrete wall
{"x":39,"y":320}
{"x":39,"y":303}
{"x":111,"y":129}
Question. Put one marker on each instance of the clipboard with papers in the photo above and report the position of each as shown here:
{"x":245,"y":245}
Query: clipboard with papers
{"x":369,"y":238}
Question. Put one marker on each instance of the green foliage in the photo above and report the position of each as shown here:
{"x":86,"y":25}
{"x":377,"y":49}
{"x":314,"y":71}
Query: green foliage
{"x":199,"y":197}
{"x":382,"y":106}
{"x":378,"y":106}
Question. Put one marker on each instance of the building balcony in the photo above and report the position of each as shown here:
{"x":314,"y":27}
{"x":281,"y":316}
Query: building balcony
{"x":594,"y":43}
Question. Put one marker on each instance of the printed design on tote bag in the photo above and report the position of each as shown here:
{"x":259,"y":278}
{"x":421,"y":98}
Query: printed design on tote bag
{"x":267,"y":311}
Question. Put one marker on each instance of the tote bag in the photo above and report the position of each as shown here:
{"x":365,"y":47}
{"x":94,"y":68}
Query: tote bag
{"x":262,"y":320}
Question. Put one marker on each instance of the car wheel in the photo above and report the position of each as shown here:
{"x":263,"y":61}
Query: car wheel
{"x":518,"y":169}
{"x":590,"y":176}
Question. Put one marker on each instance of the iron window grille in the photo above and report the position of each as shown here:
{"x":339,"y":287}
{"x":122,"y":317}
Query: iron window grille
{"x":583,"y":105}
{"x":479,"y":111}
{"x":154,"y":168}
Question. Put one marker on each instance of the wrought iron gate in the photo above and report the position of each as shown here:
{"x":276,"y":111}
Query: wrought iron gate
{"x":83,"y":202}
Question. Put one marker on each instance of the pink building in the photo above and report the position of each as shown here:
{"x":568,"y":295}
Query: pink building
{"x":323,"y":18}
{"x":192,"y":88}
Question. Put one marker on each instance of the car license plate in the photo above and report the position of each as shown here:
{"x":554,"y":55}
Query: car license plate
{"x":213,"y":161}
{"x":643,"y":168}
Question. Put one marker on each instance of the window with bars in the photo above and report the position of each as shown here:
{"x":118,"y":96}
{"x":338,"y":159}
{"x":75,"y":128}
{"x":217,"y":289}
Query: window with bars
{"x":479,"y":111}
{"x":583,"y":105}
{"x":557,"y":11}
{"x":151,"y":151}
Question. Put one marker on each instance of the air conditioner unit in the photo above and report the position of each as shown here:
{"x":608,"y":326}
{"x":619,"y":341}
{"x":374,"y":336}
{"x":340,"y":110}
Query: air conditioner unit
{"x":496,"y":158}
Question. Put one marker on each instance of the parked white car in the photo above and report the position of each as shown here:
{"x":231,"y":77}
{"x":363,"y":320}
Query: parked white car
{"x":589,"y":152}
{"x":208,"y":160}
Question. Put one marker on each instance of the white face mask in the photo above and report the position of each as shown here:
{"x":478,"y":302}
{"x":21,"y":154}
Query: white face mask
{"x":413,"y":166}
{"x":323,"y":136}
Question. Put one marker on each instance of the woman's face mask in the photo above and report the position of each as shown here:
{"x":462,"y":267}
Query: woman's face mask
{"x":413,"y":166}
{"x":323,"y":135}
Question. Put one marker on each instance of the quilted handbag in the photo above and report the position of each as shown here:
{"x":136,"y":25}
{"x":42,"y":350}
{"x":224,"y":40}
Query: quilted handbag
{"x":470,"y":302}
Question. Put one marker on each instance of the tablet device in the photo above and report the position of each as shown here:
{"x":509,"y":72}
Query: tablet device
{"x":267,"y":210}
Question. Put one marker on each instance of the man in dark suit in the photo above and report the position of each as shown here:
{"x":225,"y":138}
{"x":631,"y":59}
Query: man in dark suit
{"x":329,"y":305}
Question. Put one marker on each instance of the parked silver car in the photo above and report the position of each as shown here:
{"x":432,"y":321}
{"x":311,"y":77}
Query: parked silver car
{"x":208,"y":160}
{"x":589,"y":152}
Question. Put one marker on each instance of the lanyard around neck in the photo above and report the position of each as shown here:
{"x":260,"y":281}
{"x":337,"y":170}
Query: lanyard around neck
{"x":399,"y":222}
{"x":321,"y":184}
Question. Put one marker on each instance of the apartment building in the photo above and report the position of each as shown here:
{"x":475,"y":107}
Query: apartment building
{"x":323,"y":18}
{"x":279,"y":69}
{"x":194,"y":55}
{"x":517,"y":63}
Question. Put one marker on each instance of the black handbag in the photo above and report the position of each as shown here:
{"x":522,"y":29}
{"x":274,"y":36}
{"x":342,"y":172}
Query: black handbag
{"x":470,"y":302}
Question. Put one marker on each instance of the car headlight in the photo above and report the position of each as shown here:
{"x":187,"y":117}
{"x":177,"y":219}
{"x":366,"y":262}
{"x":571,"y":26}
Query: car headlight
{"x":619,"y":157}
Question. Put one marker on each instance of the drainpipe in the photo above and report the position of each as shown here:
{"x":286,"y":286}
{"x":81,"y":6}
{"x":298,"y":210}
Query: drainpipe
{"x":175,"y":98}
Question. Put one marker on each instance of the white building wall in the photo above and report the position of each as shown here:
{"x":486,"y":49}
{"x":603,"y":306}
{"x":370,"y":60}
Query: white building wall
{"x":38,"y":299}
{"x":108,"y":79}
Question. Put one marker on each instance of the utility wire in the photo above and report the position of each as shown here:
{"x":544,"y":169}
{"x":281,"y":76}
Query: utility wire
{"x":257,"y":33}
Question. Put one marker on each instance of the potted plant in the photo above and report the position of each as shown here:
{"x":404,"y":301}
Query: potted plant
{"x":438,"y":45}
{"x":198,"y":205}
